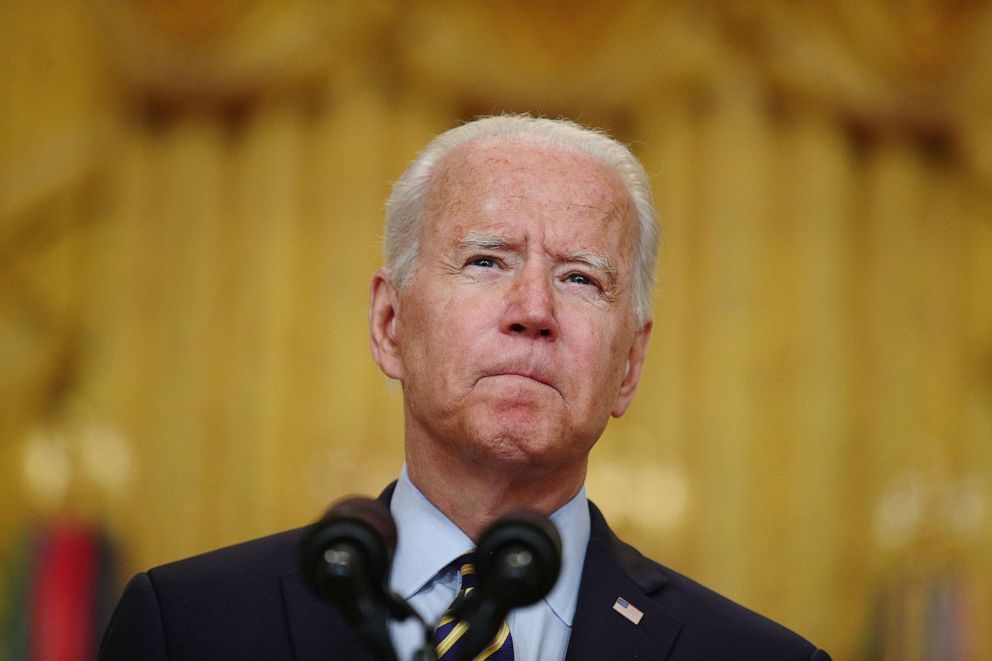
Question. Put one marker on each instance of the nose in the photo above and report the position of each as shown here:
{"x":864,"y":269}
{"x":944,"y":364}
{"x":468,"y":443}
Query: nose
{"x":530,"y":307}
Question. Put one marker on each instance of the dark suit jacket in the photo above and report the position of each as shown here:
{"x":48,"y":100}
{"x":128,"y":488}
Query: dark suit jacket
{"x":249,"y":602}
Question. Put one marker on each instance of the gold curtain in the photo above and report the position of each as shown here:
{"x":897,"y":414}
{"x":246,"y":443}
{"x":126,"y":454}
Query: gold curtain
{"x":191,"y":201}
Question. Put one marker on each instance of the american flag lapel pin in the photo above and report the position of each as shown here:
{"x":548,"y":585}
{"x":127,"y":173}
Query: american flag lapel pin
{"x":628,"y":610}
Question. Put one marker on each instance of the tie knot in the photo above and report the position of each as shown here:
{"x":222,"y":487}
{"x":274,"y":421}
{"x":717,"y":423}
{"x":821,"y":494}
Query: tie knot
{"x":465,"y":566}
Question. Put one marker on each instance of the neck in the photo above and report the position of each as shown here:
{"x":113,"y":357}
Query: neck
{"x":474,"y":492}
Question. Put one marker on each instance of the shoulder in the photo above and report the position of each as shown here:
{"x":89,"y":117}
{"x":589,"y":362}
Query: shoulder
{"x":714,"y":622}
{"x":227,"y":603}
{"x":231,"y":588}
{"x":243,"y":566}
{"x":710,"y":626}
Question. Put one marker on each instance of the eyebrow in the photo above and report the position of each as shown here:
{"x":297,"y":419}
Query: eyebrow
{"x":486,"y":241}
{"x":595,"y":260}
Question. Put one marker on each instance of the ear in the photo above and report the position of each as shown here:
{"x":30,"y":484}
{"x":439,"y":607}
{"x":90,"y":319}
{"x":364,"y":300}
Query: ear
{"x":383,"y":309}
{"x":632,"y":375}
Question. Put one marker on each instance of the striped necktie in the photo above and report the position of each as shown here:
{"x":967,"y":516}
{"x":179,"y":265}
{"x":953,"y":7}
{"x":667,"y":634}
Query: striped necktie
{"x":449,"y":631}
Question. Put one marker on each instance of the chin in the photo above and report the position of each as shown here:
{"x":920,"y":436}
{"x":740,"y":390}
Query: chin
{"x":523,"y":436}
{"x":523,"y":445}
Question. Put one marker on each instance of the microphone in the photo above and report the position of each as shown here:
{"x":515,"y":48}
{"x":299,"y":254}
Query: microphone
{"x":517,"y":563}
{"x":345,"y":557}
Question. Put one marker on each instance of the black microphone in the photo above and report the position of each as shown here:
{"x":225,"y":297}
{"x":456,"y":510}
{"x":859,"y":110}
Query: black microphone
{"x":517,"y":563}
{"x":346,"y":557}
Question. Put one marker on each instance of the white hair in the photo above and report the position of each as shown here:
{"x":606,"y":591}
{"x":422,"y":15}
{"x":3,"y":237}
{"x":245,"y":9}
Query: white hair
{"x":405,"y":209}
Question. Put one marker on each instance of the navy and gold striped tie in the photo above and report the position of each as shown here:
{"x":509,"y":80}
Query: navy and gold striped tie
{"x":448,"y":633}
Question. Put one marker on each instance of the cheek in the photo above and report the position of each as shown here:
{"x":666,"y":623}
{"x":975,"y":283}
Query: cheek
{"x":607,"y":354}
{"x":414,"y":339}
{"x":437,"y":334}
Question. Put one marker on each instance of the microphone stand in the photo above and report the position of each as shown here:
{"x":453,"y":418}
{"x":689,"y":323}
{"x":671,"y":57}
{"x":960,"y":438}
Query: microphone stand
{"x":400,"y":609}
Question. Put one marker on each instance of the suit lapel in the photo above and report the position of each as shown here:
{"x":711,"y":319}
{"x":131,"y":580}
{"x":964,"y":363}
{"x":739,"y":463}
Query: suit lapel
{"x":613,"y":569}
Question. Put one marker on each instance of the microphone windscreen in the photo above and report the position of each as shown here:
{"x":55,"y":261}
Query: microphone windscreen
{"x":355,"y":536}
{"x":519,"y":558}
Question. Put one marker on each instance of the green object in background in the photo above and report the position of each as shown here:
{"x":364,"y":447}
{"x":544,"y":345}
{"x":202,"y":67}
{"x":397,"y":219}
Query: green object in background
{"x":16,"y":572}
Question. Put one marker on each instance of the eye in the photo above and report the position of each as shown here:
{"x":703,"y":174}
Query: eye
{"x":483,"y":262}
{"x":579,"y":279}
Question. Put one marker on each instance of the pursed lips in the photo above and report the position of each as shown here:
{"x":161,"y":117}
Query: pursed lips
{"x":533,"y":376}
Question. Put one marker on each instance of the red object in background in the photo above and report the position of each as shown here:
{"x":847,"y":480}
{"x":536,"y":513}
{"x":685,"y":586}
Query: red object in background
{"x":63,"y":604}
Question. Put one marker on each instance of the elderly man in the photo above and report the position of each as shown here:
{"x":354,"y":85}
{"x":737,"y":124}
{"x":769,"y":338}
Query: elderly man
{"x":514,"y":309}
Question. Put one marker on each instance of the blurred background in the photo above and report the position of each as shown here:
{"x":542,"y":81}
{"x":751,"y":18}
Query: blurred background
{"x":191,"y":199}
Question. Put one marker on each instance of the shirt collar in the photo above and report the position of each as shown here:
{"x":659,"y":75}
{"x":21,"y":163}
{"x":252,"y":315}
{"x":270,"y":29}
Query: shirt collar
{"x":572,"y":521}
{"x":428,"y":541}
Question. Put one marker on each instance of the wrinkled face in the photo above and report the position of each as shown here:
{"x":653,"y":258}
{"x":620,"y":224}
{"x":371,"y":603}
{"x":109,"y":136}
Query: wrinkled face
{"x":516,"y":340}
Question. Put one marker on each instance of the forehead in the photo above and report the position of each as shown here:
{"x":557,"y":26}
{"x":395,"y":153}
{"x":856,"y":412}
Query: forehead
{"x":497,"y":179}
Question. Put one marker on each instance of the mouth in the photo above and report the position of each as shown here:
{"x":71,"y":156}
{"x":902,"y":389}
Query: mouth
{"x":523,"y":374}
{"x":527,"y":375}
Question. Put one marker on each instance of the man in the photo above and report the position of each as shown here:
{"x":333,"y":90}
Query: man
{"x":514,"y":308}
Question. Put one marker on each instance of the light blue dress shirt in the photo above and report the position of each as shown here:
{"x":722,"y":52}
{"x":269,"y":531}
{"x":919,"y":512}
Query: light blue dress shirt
{"x":429,"y":541}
